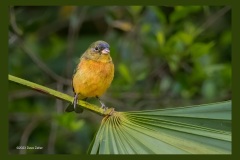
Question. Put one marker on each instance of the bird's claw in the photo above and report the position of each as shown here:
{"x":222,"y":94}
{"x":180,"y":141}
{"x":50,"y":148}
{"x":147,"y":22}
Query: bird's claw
{"x":104,"y":107}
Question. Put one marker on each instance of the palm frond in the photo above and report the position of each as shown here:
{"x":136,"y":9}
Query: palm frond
{"x":201,"y":129}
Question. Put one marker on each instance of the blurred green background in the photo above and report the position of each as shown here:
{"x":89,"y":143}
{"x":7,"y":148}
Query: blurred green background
{"x":164,"y":56}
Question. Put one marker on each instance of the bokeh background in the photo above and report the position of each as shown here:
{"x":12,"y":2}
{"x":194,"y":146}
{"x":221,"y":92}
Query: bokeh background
{"x":164,"y":56}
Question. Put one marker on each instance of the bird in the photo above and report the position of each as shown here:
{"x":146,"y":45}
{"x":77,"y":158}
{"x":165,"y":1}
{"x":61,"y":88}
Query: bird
{"x":93,"y":75}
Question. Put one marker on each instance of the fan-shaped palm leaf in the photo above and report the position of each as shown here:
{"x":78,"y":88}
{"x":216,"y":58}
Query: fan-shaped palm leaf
{"x":202,"y":129}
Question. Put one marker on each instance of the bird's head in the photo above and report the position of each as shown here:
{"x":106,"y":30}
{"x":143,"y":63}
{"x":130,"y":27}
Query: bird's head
{"x":100,"y":47}
{"x":98,"y":51}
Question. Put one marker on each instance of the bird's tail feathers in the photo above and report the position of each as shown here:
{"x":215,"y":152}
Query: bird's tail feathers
{"x":70,"y":108}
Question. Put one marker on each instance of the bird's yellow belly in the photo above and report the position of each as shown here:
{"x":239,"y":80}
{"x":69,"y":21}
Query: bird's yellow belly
{"x":92,"y":78}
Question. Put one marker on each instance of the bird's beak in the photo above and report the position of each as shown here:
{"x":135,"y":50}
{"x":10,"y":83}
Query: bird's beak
{"x":105,"y":51}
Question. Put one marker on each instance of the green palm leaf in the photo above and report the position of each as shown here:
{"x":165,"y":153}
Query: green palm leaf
{"x":202,"y":129}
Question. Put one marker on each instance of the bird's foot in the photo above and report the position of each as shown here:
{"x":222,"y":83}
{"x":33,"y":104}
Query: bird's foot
{"x":104,"y":107}
{"x":75,"y":101}
{"x":77,"y":109}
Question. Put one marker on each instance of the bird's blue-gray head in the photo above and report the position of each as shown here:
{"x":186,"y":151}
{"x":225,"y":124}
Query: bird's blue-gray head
{"x":101,"y":47}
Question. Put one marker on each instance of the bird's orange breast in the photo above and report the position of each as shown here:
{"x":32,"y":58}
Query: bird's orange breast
{"x":92,"y":78}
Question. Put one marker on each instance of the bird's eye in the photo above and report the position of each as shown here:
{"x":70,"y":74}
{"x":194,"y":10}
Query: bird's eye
{"x":96,"y":48}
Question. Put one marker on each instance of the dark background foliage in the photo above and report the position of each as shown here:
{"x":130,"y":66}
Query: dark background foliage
{"x":164,"y":56}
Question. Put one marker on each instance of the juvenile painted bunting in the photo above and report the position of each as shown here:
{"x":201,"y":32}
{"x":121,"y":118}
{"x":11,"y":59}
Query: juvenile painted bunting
{"x":93,"y":75}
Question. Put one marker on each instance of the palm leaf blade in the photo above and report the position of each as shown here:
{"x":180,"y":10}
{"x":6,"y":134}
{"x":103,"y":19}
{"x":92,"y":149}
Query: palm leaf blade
{"x":202,"y":129}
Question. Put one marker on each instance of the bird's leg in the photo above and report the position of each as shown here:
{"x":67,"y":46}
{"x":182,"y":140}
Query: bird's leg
{"x":75,"y":101}
{"x":103,"y":106}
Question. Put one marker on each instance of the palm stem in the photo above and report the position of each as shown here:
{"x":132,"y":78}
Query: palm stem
{"x":59,"y":95}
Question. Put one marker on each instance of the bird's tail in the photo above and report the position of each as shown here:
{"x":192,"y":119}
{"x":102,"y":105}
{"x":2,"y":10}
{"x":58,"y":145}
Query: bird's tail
{"x":74,"y":106}
{"x":70,"y":108}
